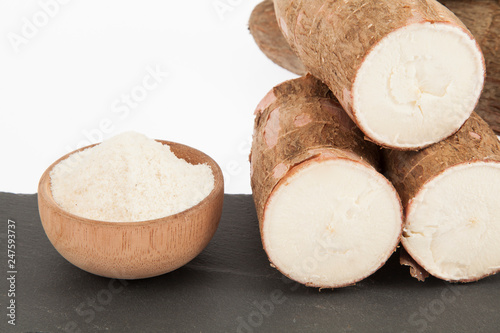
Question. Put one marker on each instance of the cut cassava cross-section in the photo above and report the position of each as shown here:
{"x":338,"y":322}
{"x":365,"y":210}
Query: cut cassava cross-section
{"x":327,"y":217}
{"x":408,"y":72}
{"x":451,"y":195}
{"x":482,"y":17}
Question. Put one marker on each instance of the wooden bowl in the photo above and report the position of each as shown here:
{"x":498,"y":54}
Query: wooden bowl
{"x":133,"y":250}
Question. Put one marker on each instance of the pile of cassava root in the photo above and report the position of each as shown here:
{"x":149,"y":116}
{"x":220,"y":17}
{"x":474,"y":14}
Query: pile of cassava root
{"x":378,"y":143}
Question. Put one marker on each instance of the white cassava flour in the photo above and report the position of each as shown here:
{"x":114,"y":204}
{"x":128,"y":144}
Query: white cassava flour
{"x":128,"y":178}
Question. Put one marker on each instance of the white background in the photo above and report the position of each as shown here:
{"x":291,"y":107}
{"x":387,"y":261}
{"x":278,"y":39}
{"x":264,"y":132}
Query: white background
{"x":63,"y":75}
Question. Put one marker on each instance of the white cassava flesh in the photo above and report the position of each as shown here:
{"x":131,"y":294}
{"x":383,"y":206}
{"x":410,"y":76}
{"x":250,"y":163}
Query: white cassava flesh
{"x":332,"y":223}
{"x":327,"y":217}
{"x":481,"y":17}
{"x":407,"y":72}
{"x":451,"y":196}
{"x":418,"y":85}
{"x":456,"y":238}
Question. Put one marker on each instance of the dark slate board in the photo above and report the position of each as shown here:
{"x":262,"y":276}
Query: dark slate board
{"x":223,"y":288}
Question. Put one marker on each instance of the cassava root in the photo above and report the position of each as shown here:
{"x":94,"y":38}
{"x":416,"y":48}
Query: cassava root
{"x":451,"y":195}
{"x":264,"y":29}
{"x":415,"y":84}
{"x":327,"y":217}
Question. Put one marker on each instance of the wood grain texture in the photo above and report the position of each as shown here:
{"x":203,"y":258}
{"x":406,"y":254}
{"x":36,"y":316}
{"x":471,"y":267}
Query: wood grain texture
{"x":134,"y":250}
{"x":221,"y":285}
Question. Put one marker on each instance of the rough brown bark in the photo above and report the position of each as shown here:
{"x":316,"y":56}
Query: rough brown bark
{"x":332,"y":38}
{"x":266,"y":33}
{"x":297,"y":124}
{"x":481,"y":17}
{"x":298,"y":121}
{"x":483,"y":20}
{"x":410,"y":170}
{"x":416,"y":270}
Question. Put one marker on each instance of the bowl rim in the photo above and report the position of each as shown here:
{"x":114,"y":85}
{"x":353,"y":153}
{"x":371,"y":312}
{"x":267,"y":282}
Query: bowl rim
{"x":44,"y":189}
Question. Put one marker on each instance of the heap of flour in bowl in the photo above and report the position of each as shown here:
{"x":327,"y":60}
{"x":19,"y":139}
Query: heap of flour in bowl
{"x":129,"y":178}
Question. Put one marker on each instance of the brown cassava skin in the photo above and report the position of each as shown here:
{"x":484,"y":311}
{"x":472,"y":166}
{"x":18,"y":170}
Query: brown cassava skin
{"x":298,"y":121}
{"x":415,"y":269}
{"x":409,"y":171}
{"x":333,"y":37}
{"x":481,"y":17}
{"x":267,"y":35}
